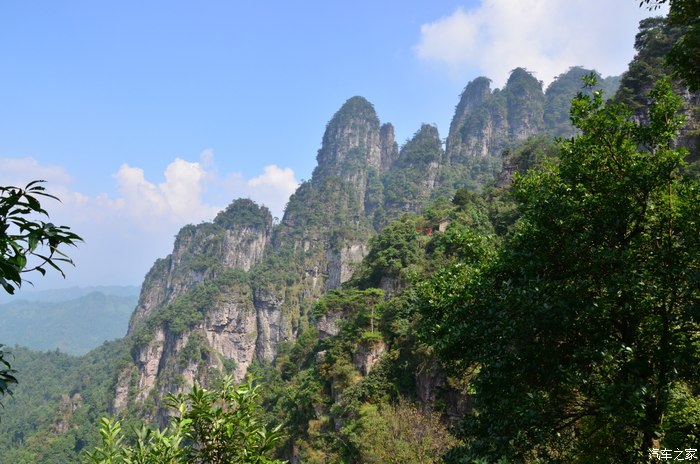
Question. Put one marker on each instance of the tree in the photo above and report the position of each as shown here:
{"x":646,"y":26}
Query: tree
{"x":27,"y":245}
{"x":684,"y":57}
{"x":7,"y":373}
{"x":584,"y":331}
{"x":399,"y":433}
{"x":209,"y":426}
{"x":23,"y":238}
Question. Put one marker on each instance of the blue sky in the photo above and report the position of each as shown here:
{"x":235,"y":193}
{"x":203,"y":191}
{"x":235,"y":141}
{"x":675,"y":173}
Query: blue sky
{"x":146,"y":116}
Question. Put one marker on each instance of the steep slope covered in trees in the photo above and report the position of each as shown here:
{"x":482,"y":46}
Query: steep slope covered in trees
{"x":654,"y":41}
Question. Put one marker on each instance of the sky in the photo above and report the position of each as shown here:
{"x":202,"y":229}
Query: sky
{"x":146,"y":116}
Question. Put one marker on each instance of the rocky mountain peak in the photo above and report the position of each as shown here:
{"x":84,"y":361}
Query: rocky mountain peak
{"x":523,"y":78}
{"x":560,"y":92}
{"x":351,"y":141}
{"x":525,"y":105}
{"x":472,"y":126}
{"x":244,"y":213}
{"x":486,"y":123}
{"x":425,"y":147}
{"x":413,"y":176}
{"x":474,"y":94}
{"x":236,"y":239}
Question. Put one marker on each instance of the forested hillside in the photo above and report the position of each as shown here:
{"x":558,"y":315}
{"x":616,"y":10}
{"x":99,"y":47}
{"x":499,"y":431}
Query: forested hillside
{"x":525,"y":292}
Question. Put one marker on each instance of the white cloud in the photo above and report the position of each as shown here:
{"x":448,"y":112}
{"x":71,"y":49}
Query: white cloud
{"x":125,"y":234}
{"x":181,"y":198}
{"x":20,"y":171}
{"x":273,"y":176}
{"x":544,"y":36}
{"x":178,"y":199}
{"x":271,"y":188}
{"x":274,"y":187}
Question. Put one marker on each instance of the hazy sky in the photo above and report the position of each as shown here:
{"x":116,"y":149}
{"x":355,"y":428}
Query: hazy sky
{"x":145,"y":116}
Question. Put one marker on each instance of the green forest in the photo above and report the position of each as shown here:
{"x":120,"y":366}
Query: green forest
{"x":527,"y":291}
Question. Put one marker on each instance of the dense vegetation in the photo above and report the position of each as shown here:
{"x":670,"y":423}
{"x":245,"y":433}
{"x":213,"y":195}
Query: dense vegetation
{"x":535,"y":303}
{"x":57,"y":404}
{"x":207,"y":426}
{"x":600,"y":273}
{"x":350,"y":390}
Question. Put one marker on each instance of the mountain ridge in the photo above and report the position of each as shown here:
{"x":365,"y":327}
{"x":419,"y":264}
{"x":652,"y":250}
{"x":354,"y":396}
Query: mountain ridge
{"x":362,"y":181}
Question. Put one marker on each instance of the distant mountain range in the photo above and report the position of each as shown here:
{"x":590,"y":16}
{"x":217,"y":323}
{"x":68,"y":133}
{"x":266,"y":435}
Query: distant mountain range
{"x":73,"y":320}
{"x":66,"y":294}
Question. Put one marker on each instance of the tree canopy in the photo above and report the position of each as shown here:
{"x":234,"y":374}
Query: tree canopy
{"x":684,"y":57}
{"x":23,"y":238}
{"x":583,"y":330}
{"x":208,"y":426}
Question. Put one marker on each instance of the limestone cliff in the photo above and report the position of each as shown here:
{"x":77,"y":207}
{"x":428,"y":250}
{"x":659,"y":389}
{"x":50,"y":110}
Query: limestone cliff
{"x":410,"y":182}
{"x":196,"y":309}
{"x":235,"y":240}
{"x":326,"y":225}
{"x":232,"y":290}
{"x":485,"y":122}
{"x":354,"y":145}
{"x":389,"y":149}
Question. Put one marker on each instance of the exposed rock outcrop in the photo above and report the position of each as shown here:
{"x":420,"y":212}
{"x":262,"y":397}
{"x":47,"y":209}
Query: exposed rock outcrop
{"x":485,"y":122}
{"x":367,"y":355}
{"x":270,"y":325}
{"x":351,"y":143}
{"x":230,"y":330}
{"x":201,"y":252}
{"x":342,"y":263}
{"x":328,"y":324}
{"x":196,"y":309}
{"x":389,"y":149}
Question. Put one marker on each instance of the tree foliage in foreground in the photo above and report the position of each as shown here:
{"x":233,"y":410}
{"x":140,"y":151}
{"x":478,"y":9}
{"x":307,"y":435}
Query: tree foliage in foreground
{"x":208,"y":426}
{"x":684,"y":56}
{"x":23,"y":238}
{"x":584,"y":331}
{"x":27,"y":244}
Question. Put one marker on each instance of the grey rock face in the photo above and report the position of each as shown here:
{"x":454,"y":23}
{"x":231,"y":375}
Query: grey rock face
{"x":342,"y":263}
{"x":486,"y":123}
{"x":367,"y":356}
{"x":270,"y":325}
{"x":237,"y":248}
